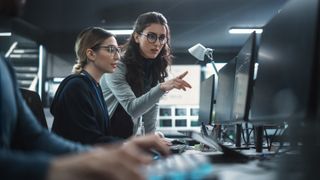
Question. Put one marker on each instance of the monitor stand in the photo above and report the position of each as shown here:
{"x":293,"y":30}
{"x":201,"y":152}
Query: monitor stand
{"x":238,"y":135}
{"x":228,"y":154}
{"x":216,"y":132}
{"x":238,"y":144}
{"x":258,"y":138}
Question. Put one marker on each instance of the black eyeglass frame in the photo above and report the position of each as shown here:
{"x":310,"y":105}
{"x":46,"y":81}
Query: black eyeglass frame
{"x":153,"y":37}
{"x":110,"y":49}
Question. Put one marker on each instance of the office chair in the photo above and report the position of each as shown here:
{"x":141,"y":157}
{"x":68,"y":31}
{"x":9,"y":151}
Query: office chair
{"x":35,"y":104}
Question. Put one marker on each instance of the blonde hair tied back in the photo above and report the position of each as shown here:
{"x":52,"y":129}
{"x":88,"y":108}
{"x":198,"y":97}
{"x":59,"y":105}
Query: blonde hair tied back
{"x":89,"y":38}
{"x":78,"y":67}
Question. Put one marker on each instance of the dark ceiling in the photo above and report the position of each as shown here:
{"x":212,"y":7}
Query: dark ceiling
{"x":191,"y":21}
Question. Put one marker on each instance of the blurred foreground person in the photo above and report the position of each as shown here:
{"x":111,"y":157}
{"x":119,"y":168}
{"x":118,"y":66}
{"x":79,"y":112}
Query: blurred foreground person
{"x":28,"y":151}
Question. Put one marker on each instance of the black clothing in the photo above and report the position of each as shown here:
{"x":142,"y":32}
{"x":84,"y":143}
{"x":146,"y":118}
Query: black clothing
{"x":121,"y":123}
{"x":79,"y":110}
{"x":26,"y":148}
{"x":148,"y":76}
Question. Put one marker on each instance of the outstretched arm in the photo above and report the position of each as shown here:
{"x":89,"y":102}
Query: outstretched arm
{"x":109,"y":162}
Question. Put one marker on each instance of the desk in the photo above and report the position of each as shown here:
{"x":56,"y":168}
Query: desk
{"x":247,"y":171}
{"x":251,"y":170}
{"x":194,"y":164}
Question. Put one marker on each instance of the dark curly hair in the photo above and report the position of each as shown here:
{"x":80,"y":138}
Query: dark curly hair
{"x":134,"y":60}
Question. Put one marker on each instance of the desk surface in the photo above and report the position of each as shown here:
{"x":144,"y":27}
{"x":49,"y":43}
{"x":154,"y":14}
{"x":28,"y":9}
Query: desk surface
{"x":247,"y":171}
{"x":251,"y":170}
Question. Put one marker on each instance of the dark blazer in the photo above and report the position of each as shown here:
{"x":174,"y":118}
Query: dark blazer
{"x":26,"y":148}
{"x":77,"y":111}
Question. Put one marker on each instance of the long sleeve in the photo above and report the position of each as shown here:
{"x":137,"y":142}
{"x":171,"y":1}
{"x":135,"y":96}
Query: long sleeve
{"x":115,"y":84}
{"x":26,"y":148}
{"x":150,"y":118}
{"x":31,"y":135}
{"x":18,"y":165}
{"x":77,"y":115}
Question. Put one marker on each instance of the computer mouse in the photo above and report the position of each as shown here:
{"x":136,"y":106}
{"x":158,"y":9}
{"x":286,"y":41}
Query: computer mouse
{"x":177,"y":141}
{"x":178,"y":149}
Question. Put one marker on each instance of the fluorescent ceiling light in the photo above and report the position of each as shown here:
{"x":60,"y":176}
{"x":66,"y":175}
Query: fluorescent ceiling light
{"x":22,"y":51}
{"x":121,"y":32}
{"x":5,"y":33}
{"x":245,"y":30}
{"x":13,"y":45}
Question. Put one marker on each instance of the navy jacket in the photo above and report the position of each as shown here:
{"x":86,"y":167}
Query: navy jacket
{"x":80,"y":113}
{"x":26,"y":148}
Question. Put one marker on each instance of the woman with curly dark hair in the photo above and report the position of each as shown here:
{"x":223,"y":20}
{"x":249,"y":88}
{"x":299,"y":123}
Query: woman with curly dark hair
{"x":136,"y":86}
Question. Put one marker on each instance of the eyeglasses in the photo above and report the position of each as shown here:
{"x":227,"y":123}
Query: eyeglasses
{"x":111,"y":49}
{"x":153,"y":37}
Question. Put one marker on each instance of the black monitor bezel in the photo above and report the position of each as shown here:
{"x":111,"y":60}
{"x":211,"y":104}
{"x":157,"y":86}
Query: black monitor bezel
{"x":222,"y":110}
{"x":282,"y":35}
{"x":252,"y":41}
{"x":206,"y":116}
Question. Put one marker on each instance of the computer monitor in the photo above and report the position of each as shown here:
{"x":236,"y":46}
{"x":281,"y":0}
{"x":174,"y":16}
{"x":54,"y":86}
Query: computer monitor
{"x":287,"y":83}
{"x":235,"y":88}
{"x":206,"y":101}
{"x":243,"y":83}
{"x":225,"y":91}
{"x":283,"y":87}
{"x":285,"y":90}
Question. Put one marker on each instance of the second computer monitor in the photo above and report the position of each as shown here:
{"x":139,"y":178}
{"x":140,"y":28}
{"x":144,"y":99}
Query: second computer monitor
{"x":243,"y":83}
{"x":224,"y":103}
{"x":287,"y":59}
{"x":206,"y":101}
{"x":235,"y":85}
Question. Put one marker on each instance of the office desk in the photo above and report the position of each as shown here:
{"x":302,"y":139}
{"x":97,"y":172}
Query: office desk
{"x":247,"y":171}
{"x":251,"y":170}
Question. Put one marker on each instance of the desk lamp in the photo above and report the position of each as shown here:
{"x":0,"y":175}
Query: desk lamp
{"x":199,"y":52}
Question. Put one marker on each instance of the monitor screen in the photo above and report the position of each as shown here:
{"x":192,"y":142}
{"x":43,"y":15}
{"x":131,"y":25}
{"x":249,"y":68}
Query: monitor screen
{"x":206,"y":100}
{"x":243,"y":83}
{"x":224,"y":102}
{"x":286,"y":58}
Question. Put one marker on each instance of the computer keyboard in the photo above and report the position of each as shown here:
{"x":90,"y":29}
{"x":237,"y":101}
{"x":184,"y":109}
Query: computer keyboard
{"x":182,"y":166}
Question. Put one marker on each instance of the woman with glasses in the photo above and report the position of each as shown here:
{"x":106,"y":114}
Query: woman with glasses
{"x":136,"y":86}
{"x":79,"y":110}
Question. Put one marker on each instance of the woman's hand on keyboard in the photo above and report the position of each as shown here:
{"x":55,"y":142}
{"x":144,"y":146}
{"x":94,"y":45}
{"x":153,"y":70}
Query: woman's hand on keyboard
{"x":117,"y":161}
{"x":163,"y":138}
{"x":107,"y":162}
{"x":150,"y":142}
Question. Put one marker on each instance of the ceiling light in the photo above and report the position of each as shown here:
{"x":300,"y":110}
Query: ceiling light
{"x":22,"y":51}
{"x":121,"y":32}
{"x":5,"y":33}
{"x":13,"y":45}
{"x":245,"y":30}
